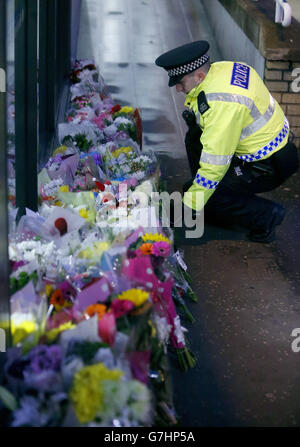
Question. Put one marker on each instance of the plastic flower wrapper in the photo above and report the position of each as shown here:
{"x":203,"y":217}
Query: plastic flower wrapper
{"x":116,"y":161}
{"x":88,"y":86}
{"x":77,"y":116}
{"x":79,"y":66}
{"x":63,"y":167}
{"x":160,"y":373}
{"x":121,"y":128}
{"x":48,"y":191}
{"x":140,"y":167}
{"x":85,"y":198}
{"x":85,"y":135}
{"x":88,"y":172}
{"x":64,"y":220}
{"x":183,"y":280}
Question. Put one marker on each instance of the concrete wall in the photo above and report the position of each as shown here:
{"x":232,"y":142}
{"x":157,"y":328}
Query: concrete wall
{"x":232,"y":41}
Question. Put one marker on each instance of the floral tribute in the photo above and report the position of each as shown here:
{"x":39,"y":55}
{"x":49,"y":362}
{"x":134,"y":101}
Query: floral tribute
{"x":98,"y":296}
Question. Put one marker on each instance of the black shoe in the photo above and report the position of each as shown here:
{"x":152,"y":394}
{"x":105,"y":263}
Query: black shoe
{"x":268,"y":235}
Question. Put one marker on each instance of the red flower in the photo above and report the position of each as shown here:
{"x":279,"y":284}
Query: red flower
{"x":121,"y":307}
{"x":100,"y":186}
{"x":61,"y":225}
{"x":115,"y":108}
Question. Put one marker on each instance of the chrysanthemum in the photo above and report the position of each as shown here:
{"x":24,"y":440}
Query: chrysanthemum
{"x":87,"y":391}
{"x":155,"y":237}
{"x":136,"y":296}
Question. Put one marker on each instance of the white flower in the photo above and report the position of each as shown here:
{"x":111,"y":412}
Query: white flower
{"x":110,"y":130}
{"x":144,"y":159}
{"x":139,"y":175}
{"x":69,"y":368}
{"x":121,"y":120}
{"x":51,"y":188}
{"x":163,"y":328}
{"x":126,"y":169}
{"x":178,"y":330}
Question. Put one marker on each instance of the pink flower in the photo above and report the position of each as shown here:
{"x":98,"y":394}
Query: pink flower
{"x":161,"y":248}
{"x":100,"y":120}
{"x":107,"y":328}
{"x":59,"y":318}
{"x":121,"y":307}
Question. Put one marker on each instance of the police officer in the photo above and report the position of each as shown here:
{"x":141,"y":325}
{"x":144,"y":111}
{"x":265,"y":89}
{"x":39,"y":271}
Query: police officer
{"x":242,"y":145}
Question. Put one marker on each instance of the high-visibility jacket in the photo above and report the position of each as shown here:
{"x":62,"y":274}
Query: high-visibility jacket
{"x":238,"y":116}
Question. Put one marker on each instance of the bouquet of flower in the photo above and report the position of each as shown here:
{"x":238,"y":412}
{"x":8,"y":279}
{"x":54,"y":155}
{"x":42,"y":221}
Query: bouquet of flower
{"x":94,"y":287}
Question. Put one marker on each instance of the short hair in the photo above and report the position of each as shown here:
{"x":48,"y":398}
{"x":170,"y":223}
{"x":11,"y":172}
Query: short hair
{"x":205,"y":67}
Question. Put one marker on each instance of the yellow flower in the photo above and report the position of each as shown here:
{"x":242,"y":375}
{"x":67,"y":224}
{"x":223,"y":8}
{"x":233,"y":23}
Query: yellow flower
{"x":136,"y":296}
{"x":121,"y":150}
{"x":22,"y":330}
{"x":89,"y":215}
{"x":126,"y":109}
{"x":60,"y":150}
{"x":94,"y":252}
{"x":53,"y":333}
{"x":64,"y":188}
{"x":48,"y":290}
{"x":155,"y":237}
{"x":83,"y":213}
{"x":87,"y":391}
{"x":58,"y":203}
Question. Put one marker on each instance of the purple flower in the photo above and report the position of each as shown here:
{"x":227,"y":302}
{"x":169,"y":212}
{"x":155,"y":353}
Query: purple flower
{"x":40,"y":411}
{"x":161,"y":248}
{"x":97,"y":158}
{"x":43,"y":358}
{"x":121,"y":135}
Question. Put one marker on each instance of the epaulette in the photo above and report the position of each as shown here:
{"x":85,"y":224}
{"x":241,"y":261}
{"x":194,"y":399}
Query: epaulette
{"x":202,"y":103}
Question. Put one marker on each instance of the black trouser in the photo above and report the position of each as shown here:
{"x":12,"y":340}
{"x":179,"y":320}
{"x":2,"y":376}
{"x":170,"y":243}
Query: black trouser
{"x":234,"y":201}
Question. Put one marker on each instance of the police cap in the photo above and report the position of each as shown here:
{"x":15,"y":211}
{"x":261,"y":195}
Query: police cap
{"x":183,"y":60}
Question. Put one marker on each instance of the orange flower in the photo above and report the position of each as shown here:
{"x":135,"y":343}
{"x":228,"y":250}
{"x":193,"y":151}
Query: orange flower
{"x":57,"y":299}
{"x":146,"y":249}
{"x":98,"y":309}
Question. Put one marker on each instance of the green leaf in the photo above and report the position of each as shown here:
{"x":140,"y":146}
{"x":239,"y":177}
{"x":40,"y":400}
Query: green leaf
{"x":8,"y":399}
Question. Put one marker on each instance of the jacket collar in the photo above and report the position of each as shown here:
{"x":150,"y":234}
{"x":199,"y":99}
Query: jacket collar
{"x":193,"y":94}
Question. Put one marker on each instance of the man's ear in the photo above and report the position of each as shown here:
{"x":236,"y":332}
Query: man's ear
{"x":199,"y":76}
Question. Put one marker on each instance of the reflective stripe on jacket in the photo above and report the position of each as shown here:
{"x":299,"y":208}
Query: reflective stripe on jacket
{"x":243,"y":119}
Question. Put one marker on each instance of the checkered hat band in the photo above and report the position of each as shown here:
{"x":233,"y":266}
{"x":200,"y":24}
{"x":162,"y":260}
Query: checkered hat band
{"x":269,"y":147}
{"x":188,"y":67}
